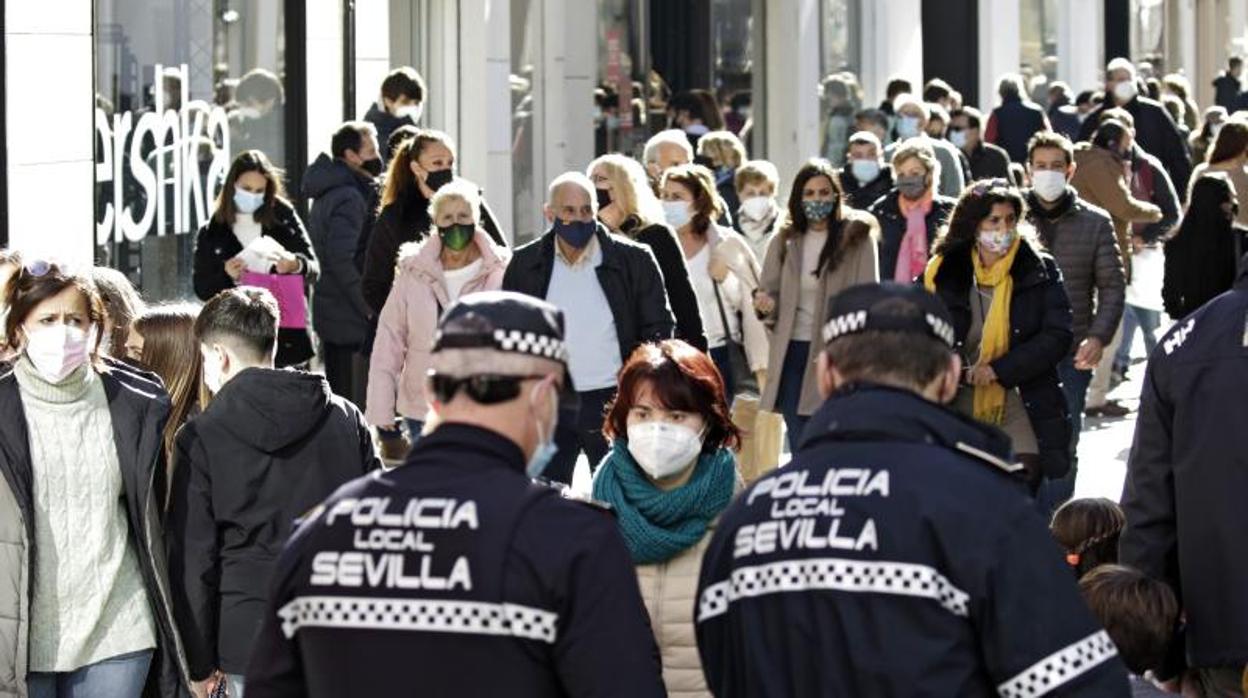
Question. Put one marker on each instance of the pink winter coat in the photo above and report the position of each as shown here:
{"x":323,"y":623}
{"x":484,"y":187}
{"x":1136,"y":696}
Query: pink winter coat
{"x":396,"y":376}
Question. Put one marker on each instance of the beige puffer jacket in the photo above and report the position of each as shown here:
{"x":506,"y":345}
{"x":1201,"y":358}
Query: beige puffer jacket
{"x":669,"y":589}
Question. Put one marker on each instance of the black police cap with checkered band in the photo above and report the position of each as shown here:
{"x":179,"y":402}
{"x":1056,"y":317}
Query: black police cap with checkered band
{"x":888,"y":307}
{"x":503,"y":321}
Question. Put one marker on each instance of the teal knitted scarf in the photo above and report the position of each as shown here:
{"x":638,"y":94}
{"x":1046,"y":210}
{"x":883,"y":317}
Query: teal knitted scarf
{"x":659,"y":525}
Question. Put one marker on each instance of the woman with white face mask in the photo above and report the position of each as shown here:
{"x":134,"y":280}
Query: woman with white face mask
{"x":252,"y":205}
{"x":671,"y":472}
{"x":80,"y":503}
{"x":1012,"y":320}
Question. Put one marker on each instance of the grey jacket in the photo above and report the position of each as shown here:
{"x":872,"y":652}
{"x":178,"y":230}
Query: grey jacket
{"x":857,"y":262}
{"x":1081,"y":239}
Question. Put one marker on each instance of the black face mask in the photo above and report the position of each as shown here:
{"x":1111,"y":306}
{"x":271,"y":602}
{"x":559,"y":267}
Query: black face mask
{"x":604,"y":198}
{"x":439,"y":178}
{"x":373,"y":167}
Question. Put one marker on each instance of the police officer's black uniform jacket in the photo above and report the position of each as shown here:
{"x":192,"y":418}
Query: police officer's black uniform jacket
{"x":894,"y":557}
{"x":1188,"y":472}
{"x":453,"y":575}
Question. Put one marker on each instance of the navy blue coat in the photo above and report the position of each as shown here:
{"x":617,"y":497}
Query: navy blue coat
{"x":1186,"y":477}
{"x":455,"y":575}
{"x":1040,"y":337}
{"x":894,"y":557}
{"x":1012,"y":125}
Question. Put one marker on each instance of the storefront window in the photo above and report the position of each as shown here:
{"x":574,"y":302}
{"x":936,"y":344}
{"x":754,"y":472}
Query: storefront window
{"x":840,"y":90}
{"x":620,"y":115}
{"x":1037,"y":59}
{"x":1148,"y":36}
{"x":181,"y":88}
{"x":732,"y":37}
{"x":526,"y":101}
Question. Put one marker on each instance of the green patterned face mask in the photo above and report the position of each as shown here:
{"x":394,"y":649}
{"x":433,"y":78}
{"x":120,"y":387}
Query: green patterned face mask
{"x":456,"y":237}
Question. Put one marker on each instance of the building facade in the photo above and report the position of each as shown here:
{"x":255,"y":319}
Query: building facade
{"x":527,"y":88}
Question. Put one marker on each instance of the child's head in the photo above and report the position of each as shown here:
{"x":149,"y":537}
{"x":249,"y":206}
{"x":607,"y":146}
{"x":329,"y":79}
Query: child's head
{"x":1137,"y":611}
{"x":1088,"y":530}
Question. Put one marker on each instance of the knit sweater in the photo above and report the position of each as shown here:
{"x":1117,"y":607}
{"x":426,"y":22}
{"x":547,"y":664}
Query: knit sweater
{"x":89,"y":602}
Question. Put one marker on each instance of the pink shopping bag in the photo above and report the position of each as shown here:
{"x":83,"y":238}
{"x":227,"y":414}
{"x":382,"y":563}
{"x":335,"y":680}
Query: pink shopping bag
{"x":288,"y":289}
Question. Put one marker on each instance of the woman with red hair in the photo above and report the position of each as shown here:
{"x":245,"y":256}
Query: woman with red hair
{"x":671,"y":472}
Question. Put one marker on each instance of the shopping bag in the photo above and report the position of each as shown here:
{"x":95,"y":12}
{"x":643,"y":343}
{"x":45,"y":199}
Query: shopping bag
{"x":761,"y":442}
{"x":288,"y":290}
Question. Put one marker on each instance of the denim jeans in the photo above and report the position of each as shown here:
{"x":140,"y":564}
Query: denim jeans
{"x":235,"y":683}
{"x":1132,"y":318}
{"x":122,"y":676}
{"x":722,"y":357}
{"x":414,"y":427}
{"x":789,"y":391}
{"x":1075,"y":382}
{"x":578,"y":430}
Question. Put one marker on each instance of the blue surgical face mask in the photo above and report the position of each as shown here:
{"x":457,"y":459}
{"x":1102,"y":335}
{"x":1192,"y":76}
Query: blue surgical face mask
{"x":865,"y":171}
{"x":575,"y":233}
{"x":247,"y":202}
{"x":677,"y":213}
{"x":908,"y":126}
{"x":546,"y":448}
{"x":818,"y":210}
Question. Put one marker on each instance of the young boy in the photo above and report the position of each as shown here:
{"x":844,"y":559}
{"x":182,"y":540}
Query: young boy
{"x":1139,"y":614}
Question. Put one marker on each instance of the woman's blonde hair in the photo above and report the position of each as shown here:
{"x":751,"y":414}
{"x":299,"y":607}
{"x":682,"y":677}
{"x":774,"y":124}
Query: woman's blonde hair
{"x":917,"y":149}
{"x":458,"y":189}
{"x":723,"y":148}
{"x":630,"y":188}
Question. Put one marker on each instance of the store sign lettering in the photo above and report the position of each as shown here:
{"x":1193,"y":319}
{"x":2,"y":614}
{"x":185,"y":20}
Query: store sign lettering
{"x":190,"y":143}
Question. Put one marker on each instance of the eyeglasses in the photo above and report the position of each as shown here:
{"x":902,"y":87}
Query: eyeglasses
{"x":485,"y":388}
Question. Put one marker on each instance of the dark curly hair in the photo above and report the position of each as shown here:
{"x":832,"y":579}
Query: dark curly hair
{"x":973,"y":207}
{"x":683,"y":379}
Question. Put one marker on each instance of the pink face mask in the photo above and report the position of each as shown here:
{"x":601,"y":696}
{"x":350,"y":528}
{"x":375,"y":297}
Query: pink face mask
{"x":58,"y":350}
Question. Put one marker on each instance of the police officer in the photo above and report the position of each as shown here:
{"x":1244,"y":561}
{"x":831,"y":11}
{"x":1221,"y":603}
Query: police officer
{"x":898,"y":553}
{"x":455,"y":574}
{"x":1184,"y":492}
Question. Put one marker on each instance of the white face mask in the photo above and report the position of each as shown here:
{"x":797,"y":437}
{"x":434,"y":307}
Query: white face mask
{"x":997,"y":241}
{"x":58,"y":350}
{"x":958,"y":139}
{"x":410,"y":111}
{"x":677,"y":213}
{"x":908,"y":126}
{"x":756,"y":207}
{"x":663,"y":449}
{"x":214,"y":376}
{"x":1049,"y":185}
{"x":249,"y":112}
{"x":1125,"y":91}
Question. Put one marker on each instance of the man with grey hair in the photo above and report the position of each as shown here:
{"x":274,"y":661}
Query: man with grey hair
{"x":611,"y":290}
{"x":456,"y":573}
{"x":1155,"y":130}
{"x":1012,"y":124}
{"x":665,"y":150}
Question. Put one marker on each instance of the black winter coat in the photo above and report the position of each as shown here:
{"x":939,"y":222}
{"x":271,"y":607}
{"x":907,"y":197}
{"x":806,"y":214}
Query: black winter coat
{"x":269,"y":447}
{"x":340,"y":204}
{"x":1186,"y":477}
{"x":395,"y":226}
{"x":1040,"y":337}
{"x":1156,"y":133}
{"x":887,"y":211}
{"x":1012,"y":125}
{"x":215,"y":244}
{"x":630,"y":279}
{"x":680,"y":294}
{"x":988,"y":161}
{"x":138,"y":408}
{"x":894,"y":557}
{"x":861,"y":196}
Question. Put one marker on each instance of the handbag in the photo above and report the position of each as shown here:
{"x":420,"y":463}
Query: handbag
{"x":738,"y":362}
{"x":292,"y":304}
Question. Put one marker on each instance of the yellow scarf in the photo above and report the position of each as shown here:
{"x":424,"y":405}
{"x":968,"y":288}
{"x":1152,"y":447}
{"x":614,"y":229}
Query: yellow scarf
{"x":989,"y":403}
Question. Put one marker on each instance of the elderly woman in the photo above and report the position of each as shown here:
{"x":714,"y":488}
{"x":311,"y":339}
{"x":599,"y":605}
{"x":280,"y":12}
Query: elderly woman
{"x":433,"y":273}
{"x":1012,"y":321}
{"x":671,"y":472}
{"x":725,"y":154}
{"x":84,"y":608}
{"x":823,"y":247}
{"x":628,"y":206}
{"x":725,"y":275}
{"x":911,"y":213}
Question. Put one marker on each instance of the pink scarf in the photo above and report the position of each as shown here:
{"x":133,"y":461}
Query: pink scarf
{"x":912,"y":257}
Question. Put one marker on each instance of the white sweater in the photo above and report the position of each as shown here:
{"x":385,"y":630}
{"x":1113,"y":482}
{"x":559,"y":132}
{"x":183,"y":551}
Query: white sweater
{"x":89,"y":602}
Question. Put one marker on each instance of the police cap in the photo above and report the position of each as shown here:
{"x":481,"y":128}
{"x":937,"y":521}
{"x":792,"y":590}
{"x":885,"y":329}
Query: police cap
{"x":888,"y":307}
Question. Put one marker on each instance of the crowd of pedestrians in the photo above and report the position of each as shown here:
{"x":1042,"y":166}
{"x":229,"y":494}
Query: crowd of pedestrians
{"x":349,"y":471}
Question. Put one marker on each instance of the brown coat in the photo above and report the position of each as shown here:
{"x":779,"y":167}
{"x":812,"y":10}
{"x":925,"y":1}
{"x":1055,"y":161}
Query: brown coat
{"x":782,"y":269}
{"x":1101,"y":181}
